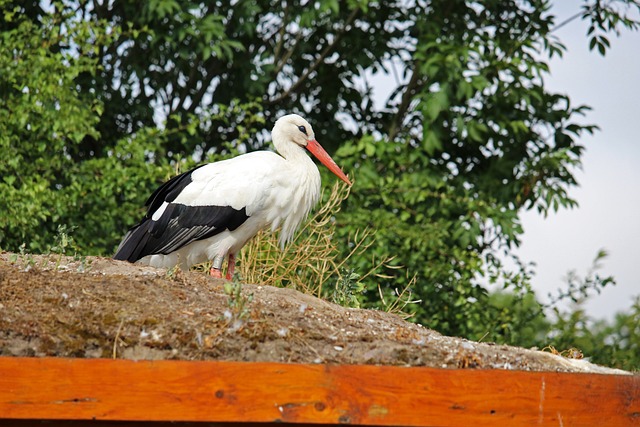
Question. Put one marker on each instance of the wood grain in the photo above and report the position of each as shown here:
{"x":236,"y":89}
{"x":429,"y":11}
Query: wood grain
{"x":189,"y":391}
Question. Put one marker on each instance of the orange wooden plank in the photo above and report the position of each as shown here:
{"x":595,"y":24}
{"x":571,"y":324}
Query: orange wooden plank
{"x":102,"y":389}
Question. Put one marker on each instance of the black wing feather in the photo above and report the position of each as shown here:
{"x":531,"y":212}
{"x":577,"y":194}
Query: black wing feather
{"x":178,"y":225}
{"x":134,"y":242}
{"x":181,"y":225}
{"x":168,"y":191}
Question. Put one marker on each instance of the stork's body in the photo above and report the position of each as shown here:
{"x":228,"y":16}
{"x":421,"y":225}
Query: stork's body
{"x":211,"y":212}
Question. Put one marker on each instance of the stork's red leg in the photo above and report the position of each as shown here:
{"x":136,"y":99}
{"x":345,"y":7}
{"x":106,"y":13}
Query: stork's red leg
{"x":231,"y":266}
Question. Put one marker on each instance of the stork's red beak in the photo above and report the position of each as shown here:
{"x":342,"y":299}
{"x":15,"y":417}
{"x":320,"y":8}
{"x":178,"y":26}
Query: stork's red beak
{"x":316,"y":149}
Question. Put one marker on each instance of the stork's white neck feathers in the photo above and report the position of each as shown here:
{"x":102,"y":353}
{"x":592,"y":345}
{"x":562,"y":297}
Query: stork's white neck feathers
{"x":304,"y":176}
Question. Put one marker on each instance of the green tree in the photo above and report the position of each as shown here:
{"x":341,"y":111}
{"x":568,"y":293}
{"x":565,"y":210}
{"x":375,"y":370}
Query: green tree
{"x":476,"y":138}
{"x":192,"y":58}
{"x":57,"y":168}
{"x":43,"y":117}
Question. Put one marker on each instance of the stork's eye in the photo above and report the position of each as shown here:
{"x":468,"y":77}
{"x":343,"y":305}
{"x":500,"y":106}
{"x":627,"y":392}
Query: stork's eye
{"x":302,"y":129}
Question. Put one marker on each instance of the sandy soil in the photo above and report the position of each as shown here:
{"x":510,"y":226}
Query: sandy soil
{"x":98,"y":307}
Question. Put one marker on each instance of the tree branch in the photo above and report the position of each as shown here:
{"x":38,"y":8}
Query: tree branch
{"x":287,"y":55}
{"x":214,"y":70}
{"x":278,"y":49}
{"x":572,"y":18}
{"x":327,"y":50}
{"x":414,"y":84}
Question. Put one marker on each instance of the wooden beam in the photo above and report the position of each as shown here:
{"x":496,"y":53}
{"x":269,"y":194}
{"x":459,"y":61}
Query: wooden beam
{"x":208,"y":391}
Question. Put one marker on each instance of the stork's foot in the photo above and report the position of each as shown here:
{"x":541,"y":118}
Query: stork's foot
{"x":216,"y":267}
{"x":215,"y":273}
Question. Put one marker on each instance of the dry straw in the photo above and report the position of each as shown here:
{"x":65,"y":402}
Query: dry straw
{"x":313,"y":263}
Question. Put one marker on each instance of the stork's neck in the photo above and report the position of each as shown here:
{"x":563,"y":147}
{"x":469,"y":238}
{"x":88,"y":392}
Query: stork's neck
{"x":292,"y":152}
{"x":300,"y":165}
{"x":304,"y":181}
{"x":299,"y":162}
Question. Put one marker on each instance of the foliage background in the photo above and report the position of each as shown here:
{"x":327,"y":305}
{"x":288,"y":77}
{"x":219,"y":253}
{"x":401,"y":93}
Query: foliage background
{"x":101,"y":101}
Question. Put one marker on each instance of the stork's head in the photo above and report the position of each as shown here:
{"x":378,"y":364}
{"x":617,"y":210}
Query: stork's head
{"x":294,"y":129}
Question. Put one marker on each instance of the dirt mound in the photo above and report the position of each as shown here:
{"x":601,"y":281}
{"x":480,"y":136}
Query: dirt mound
{"x":98,"y":307}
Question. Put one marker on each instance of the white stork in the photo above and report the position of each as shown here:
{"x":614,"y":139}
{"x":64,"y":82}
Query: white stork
{"x":210,"y":212}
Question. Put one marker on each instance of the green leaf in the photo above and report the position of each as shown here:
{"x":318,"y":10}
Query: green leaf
{"x":431,"y":143}
{"x":370,"y":149}
{"x":434,"y":104}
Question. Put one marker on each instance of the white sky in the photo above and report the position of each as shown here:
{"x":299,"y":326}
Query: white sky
{"x":608,"y":196}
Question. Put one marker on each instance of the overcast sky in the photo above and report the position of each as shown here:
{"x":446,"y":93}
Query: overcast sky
{"x":609,"y":198}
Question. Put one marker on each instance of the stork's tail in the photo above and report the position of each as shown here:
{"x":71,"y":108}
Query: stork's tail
{"x":134,"y":242}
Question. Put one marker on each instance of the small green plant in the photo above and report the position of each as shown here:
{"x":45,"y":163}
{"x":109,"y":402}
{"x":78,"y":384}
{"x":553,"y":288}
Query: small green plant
{"x":63,"y":243}
{"x":85,"y":264}
{"x":238,"y":304}
{"x":347,"y":289}
{"x":15,"y":256}
{"x":26,"y":260}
